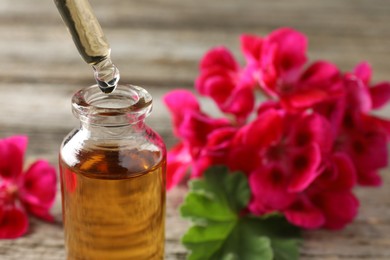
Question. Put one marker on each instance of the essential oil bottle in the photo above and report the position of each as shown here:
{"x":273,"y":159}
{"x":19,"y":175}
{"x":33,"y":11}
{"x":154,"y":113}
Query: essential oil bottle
{"x":113,"y":178}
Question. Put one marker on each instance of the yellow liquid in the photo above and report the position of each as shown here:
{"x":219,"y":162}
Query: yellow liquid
{"x":114,"y":206}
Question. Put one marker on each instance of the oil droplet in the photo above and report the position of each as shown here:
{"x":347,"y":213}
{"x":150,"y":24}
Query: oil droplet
{"x":106,"y":75}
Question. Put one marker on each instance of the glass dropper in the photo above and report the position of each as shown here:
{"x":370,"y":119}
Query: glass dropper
{"x":90,"y":41}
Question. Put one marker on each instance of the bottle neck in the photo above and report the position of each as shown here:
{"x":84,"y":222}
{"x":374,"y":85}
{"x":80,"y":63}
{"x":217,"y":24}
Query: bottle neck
{"x":123,"y":111}
{"x":99,"y":131}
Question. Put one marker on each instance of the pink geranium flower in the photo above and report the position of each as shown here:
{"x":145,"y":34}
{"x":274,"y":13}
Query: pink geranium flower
{"x":279,"y":56}
{"x":22,"y":192}
{"x":277,"y":63}
{"x":221,"y":79}
{"x":320,"y":205}
{"x":304,"y":148}
{"x":289,"y":162}
{"x":358,"y":133}
{"x":179,"y":161}
{"x":193,"y":127}
{"x":302,"y":179}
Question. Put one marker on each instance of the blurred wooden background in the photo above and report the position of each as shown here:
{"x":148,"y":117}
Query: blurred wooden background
{"x":157,"y":44}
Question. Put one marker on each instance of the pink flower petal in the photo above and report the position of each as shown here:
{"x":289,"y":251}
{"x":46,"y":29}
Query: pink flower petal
{"x":215,"y":83}
{"x":339,"y":208}
{"x":241,"y":103}
{"x":312,"y":128}
{"x":291,"y":49}
{"x":269,"y":190}
{"x":339,"y":175}
{"x":12,"y":151}
{"x":383,"y":124}
{"x":265,"y":130}
{"x":201,"y":165}
{"x":195,"y":127}
{"x":13,"y":223}
{"x":346,"y":174}
{"x":269,"y":74}
{"x":358,"y":95}
{"x":305,"y":214}
{"x":304,"y":99}
{"x":178,"y":162}
{"x":365,"y":142}
{"x":333,"y":111}
{"x":380,"y":94}
{"x":219,"y":57}
{"x":320,"y":74}
{"x":363,"y":71}
{"x":215,"y":152}
{"x":221,"y":79}
{"x":369,"y":178}
{"x":220,"y":139}
{"x":181,"y":98}
{"x":251,"y":47}
{"x":318,"y":83}
{"x":369,"y":153}
{"x":179,"y":102}
{"x":268,"y":105}
{"x":245,"y":158}
{"x":39,"y":189}
{"x":304,"y":167}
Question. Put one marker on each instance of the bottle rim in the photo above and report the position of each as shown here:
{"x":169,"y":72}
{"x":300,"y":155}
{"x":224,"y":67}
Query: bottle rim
{"x":128,"y":104}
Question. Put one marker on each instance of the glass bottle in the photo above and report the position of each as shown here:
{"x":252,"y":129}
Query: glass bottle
{"x":113,"y":178}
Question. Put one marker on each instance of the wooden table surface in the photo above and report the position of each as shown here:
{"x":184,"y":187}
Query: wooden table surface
{"x":157,"y":44}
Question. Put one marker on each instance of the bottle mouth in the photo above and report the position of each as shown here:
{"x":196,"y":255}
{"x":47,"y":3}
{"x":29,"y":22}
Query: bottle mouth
{"x":128,"y":104}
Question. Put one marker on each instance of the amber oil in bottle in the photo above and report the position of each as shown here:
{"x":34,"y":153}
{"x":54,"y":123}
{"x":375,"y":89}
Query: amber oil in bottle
{"x":113,"y":179}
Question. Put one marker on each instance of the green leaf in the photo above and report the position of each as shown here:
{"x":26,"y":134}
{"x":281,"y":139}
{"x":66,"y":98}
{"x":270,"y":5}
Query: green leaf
{"x":285,"y":238}
{"x":214,"y":205}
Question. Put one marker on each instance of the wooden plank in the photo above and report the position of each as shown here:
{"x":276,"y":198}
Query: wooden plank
{"x":229,"y":14}
{"x":161,"y":42}
{"x":46,"y":106}
{"x":153,"y":56}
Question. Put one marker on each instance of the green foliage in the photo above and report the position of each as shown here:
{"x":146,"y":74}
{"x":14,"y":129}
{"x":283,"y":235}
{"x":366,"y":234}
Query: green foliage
{"x":221,"y":230}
